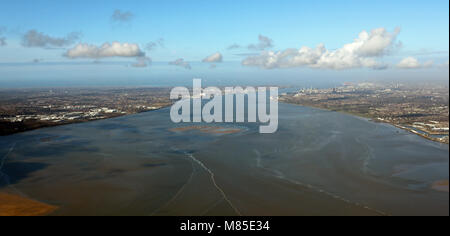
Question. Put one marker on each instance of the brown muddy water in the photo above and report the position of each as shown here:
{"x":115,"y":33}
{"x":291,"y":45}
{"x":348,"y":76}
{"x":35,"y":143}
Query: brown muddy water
{"x":318,"y":163}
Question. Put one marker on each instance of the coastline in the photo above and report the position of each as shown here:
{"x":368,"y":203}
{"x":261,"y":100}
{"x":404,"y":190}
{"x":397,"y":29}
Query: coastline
{"x":376,"y":120}
{"x":118,"y":169}
{"x":40,"y":125}
{"x":16,"y":205}
{"x":417,"y":133}
{"x":373,"y":119}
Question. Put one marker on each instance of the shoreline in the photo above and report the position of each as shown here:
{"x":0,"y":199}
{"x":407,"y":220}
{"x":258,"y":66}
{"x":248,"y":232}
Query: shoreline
{"x":376,"y":120}
{"x":372,"y":119}
{"x":49,"y":125}
{"x":417,"y":133}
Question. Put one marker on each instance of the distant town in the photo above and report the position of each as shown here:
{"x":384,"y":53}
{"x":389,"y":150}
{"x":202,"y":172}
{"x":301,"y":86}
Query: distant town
{"x":422,"y":110}
{"x":27,"y":109}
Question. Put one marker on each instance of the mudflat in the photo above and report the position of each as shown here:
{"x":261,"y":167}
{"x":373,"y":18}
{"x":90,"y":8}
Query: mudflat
{"x":318,"y":163}
{"x":15,"y":205}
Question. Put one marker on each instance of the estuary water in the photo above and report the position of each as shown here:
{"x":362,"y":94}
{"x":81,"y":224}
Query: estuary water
{"x":318,"y":163}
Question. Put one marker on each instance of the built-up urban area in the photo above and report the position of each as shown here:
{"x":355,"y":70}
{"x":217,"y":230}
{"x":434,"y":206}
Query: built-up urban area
{"x":420,"y":109}
{"x":27,"y":109}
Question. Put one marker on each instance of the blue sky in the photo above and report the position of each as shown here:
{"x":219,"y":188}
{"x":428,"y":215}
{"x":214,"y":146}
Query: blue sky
{"x":193,"y":30}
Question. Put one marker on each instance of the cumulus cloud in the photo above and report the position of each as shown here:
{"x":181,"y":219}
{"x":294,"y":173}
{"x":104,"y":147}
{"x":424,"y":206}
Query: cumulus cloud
{"x":214,"y":58}
{"x":413,"y":63}
{"x":233,"y":46}
{"x":378,"y":42}
{"x":114,"y":49}
{"x":181,"y":62}
{"x":264,"y":43}
{"x":408,"y":63}
{"x":362,"y":52}
{"x":108,"y":50}
{"x":122,"y":16}
{"x":34,"y":38}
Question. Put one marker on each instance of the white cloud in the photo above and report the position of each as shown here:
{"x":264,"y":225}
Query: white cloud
{"x":34,"y":38}
{"x":264,"y":42}
{"x":377,"y":43}
{"x":413,"y":63}
{"x":216,"y":57}
{"x":115,"y":49}
{"x":181,"y":62}
{"x":362,"y":52}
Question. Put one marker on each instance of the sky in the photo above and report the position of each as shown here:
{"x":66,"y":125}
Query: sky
{"x":113,"y":43}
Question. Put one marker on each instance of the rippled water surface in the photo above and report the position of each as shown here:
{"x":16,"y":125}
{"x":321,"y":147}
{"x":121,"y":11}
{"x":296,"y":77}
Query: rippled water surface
{"x":318,"y":163}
